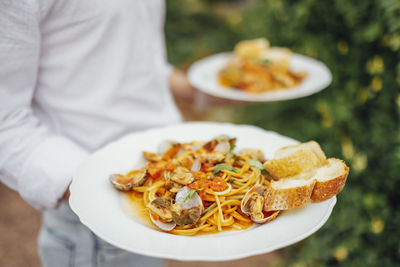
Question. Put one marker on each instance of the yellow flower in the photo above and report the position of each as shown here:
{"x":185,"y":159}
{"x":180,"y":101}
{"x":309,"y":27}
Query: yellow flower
{"x":324,"y":111}
{"x":340,"y":253}
{"x":394,"y":41}
{"x":376,"y":84}
{"x":398,"y":100}
{"x":360,"y":162}
{"x":234,"y":18}
{"x":299,"y":264}
{"x":376,"y":65}
{"x":362,"y":96}
{"x":347,"y":147}
{"x":377,"y":226}
{"x":343,"y":47}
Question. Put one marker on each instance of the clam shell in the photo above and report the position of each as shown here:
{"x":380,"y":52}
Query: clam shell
{"x":194,"y":201}
{"x":139,"y":177}
{"x":245,"y":204}
{"x":196,"y":165}
{"x":223,"y":146}
{"x":159,"y":212}
{"x":268,"y":219}
{"x":162,"y":225}
{"x":165,"y":145}
{"x":123,"y":187}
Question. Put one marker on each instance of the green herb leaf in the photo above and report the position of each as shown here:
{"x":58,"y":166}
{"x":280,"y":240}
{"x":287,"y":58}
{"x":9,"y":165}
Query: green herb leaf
{"x":191,"y":194}
{"x":232,"y":147}
{"x":255,"y":163}
{"x":264,"y":62}
{"x":236,"y":155}
{"x":220,"y":167}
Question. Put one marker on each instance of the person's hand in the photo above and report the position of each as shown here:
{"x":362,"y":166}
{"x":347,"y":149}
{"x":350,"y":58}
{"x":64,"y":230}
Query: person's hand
{"x":66,"y":195}
{"x":180,"y":86}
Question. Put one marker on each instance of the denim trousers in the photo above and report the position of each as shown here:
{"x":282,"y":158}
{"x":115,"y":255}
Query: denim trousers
{"x":65,"y":242}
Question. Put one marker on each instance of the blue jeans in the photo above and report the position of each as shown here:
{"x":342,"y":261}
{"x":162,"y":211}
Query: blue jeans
{"x":65,"y":242}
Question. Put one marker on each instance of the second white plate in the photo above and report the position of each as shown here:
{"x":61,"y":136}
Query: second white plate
{"x":203,"y":75}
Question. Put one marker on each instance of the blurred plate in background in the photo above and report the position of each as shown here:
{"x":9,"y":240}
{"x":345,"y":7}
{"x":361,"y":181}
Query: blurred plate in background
{"x":203,"y":75}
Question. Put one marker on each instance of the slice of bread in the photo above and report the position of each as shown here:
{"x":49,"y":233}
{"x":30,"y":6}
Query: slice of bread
{"x":288,"y":194}
{"x":279,"y":56}
{"x":251,"y":49}
{"x":293,"y":160}
{"x":314,"y":177}
{"x":330,"y":180}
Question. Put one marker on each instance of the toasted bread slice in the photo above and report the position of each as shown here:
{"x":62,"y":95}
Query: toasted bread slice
{"x":288,"y":194}
{"x":293,"y":160}
{"x":251,"y":49}
{"x":317,"y":185}
{"x":330,"y":180}
{"x":279,"y":56}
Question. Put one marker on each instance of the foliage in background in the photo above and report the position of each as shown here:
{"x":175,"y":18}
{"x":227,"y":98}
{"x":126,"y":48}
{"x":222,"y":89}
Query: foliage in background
{"x":357,"y":118}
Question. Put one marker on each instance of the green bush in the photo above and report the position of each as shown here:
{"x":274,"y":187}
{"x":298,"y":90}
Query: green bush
{"x":356,"y":118}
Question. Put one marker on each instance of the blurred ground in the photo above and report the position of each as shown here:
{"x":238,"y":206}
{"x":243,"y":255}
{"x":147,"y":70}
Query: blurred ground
{"x":19,"y":225}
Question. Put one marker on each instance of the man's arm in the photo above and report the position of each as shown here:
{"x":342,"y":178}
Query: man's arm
{"x":34,"y":161}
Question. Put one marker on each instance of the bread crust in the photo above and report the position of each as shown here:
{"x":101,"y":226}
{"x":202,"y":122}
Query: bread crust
{"x":287,"y":198}
{"x":324,"y":190}
{"x":308,"y":156}
{"x":318,"y":178}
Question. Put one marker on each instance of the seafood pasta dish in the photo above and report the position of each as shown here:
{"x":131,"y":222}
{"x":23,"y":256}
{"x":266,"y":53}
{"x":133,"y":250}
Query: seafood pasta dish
{"x":208,"y":187}
{"x":200,"y":187}
{"x":255,"y":67}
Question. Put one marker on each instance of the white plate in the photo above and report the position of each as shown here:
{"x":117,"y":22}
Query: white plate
{"x":100,"y":207}
{"x":203,"y":75}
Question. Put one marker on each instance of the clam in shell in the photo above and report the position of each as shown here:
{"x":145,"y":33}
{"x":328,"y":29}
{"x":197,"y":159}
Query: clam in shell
{"x":186,"y":210}
{"x":253,"y":204}
{"x":160,"y":214}
{"x":132,"y":179}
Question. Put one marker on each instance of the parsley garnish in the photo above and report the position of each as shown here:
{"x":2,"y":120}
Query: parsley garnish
{"x":264,"y":62}
{"x":191,"y":194}
{"x":232,"y":147}
{"x":255,"y":163}
{"x":220,"y":167}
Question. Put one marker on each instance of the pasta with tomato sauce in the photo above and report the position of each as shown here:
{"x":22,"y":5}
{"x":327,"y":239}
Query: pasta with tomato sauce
{"x":200,"y":187}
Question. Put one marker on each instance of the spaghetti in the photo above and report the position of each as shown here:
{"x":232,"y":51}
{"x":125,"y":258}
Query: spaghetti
{"x":199,"y":187}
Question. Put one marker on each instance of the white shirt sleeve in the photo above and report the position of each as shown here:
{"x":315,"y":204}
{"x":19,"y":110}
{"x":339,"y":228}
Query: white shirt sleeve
{"x":34,"y":161}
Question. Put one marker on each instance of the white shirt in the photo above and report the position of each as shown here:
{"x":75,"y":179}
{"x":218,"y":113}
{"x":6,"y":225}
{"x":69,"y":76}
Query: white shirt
{"x":75,"y":75}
